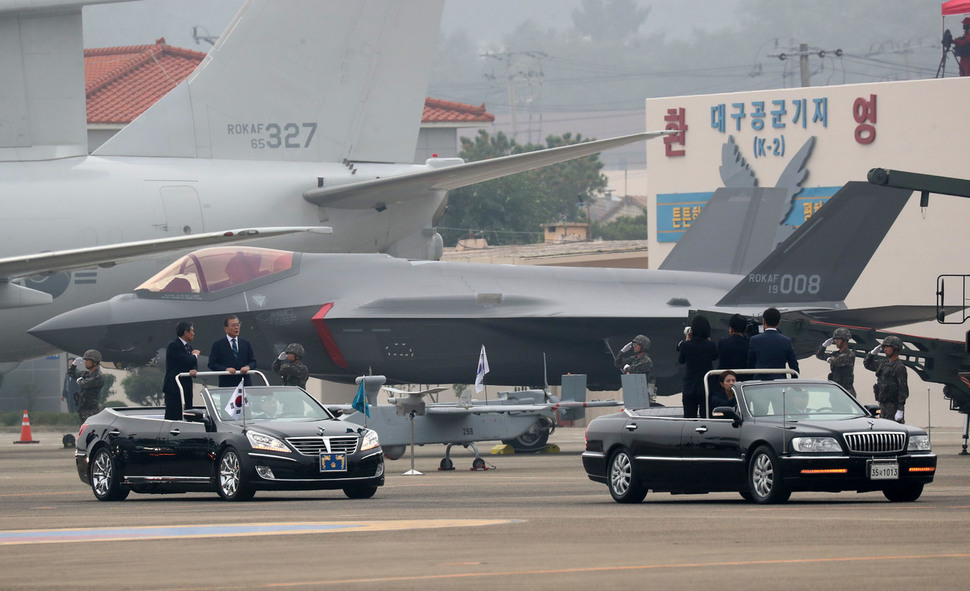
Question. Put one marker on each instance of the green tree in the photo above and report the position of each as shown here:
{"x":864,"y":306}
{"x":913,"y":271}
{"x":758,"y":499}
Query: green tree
{"x":513,"y":209}
{"x":106,"y":391}
{"x":29,"y":393}
{"x":622,"y":228}
{"x":144,"y":386}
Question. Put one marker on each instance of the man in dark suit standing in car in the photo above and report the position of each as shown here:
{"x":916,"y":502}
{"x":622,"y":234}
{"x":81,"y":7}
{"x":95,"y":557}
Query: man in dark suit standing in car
{"x":232,"y":354}
{"x":180,"y":357}
{"x":771,"y":349}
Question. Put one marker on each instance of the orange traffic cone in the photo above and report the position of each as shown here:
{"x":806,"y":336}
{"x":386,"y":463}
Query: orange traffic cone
{"x":25,"y":436}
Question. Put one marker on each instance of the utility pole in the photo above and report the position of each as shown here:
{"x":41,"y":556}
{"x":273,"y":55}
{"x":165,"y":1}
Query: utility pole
{"x":803,"y":55}
{"x":513,"y":75}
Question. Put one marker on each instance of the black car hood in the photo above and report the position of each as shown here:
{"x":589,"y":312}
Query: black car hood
{"x":856,"y":425}
{"x":309,"y":428}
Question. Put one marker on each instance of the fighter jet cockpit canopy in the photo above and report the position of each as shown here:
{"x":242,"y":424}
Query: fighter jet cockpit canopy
{"x":222,"y":268}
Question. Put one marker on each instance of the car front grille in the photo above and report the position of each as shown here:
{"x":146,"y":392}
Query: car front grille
{"x":875,"y":442}
{"x":314,"y":446}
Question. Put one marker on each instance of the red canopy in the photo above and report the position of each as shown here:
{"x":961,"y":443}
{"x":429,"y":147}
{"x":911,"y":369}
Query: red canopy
{"x":956,"y":7}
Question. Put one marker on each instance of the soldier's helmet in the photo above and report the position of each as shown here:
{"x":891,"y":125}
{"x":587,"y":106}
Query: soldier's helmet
{"x":894,"y":342}
{"x":294,"y":348}
{"x":92,"y":354}
{"x":643,"y":341}
{"x":842,"y":333}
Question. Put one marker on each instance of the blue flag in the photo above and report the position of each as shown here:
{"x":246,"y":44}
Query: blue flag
{"x":360,"y":401}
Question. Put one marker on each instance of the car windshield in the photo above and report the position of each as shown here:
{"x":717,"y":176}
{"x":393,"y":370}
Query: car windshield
{"x":800,"y":401}
{"x":268,"y":403}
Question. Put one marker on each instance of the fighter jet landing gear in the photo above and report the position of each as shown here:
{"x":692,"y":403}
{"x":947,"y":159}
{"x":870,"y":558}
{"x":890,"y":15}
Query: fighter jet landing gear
{"x":477,"y":464}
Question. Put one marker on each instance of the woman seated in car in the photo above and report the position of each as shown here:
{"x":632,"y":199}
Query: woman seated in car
{"x":725,"y":396}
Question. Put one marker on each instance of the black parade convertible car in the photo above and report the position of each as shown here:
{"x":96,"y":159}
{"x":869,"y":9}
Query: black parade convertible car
{"x":782,"y":436}
{"x":280,"y":439}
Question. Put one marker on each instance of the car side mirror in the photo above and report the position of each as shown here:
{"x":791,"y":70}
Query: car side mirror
{"x":726,"y":412}
{"x":193,"y":416}
{"x":337,"y":413}
{"x":873,"y":409}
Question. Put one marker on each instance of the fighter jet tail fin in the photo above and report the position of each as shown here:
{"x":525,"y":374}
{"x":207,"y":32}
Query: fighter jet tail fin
{"x":822,"y":260}
{"x":299,"y":81}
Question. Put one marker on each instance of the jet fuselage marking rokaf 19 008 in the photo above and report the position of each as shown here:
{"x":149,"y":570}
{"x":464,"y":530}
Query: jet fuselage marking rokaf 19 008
{"x":227,"y":148}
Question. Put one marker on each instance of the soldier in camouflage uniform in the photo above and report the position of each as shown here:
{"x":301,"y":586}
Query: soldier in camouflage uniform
{"x":290,"y":367}
{"x":891,"y":385}
{"x":842,"y":362}
{"x":633,"y":358}
{"x":90,"y":382}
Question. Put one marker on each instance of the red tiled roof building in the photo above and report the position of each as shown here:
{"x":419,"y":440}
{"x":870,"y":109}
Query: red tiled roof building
{"x":122,"y":82}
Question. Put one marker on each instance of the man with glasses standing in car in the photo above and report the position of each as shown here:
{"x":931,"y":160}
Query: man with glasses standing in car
{"x":232,"y":354}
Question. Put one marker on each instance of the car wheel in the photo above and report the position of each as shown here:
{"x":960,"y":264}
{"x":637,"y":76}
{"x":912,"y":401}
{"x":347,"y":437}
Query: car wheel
{"x":105,"y":477}
{"x":624,"y":485}
{"x":360,"y":492}
{"x":764,"y":478}
{"x":903,"y":492}
{"x":232,"y":481}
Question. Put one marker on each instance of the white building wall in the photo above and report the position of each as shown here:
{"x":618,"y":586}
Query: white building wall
{"x":919,"y":126}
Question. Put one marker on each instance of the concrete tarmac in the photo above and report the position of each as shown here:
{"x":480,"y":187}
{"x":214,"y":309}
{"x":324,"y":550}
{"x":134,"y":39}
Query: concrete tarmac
{"x":532,"y":522}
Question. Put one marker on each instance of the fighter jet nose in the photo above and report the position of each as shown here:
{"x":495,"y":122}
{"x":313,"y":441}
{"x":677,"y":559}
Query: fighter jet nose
{"x":91,"y":327}
{"x":76,"y":330}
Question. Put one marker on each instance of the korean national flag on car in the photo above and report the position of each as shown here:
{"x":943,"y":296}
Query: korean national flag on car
{"x":235,"y":405}
{"x":482,"y":370}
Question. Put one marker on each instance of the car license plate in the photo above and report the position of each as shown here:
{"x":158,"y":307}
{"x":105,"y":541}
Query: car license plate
{"x":333,"y":462}
{"x":884,"y":471}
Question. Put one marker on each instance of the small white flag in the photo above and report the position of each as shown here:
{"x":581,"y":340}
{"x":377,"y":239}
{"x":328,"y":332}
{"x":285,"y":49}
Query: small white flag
{"x":236,"y":402}
{"x":482,"y":370}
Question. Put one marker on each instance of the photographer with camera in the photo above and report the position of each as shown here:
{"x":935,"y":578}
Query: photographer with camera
{"x":961,"y":48}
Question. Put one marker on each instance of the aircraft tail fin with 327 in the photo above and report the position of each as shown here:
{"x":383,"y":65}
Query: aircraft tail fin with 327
{"x":342,"y":81}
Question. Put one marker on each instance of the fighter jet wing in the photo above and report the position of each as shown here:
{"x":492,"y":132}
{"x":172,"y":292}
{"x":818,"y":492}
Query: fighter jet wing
{"x":13,"y":295}
{"x":374,"y":193}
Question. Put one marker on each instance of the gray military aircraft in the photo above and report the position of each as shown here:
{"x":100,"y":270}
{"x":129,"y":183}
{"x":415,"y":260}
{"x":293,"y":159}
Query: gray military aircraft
{"x":523,"y":420}
{"x":424,"y":322}
{"x":305,"y":113}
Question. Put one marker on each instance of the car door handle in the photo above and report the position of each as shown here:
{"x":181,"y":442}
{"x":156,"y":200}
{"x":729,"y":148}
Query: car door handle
{"x":701,"y":429}
{"x":631,"y":427}
{"x":174,"y":432}
{"x":114,"y":433}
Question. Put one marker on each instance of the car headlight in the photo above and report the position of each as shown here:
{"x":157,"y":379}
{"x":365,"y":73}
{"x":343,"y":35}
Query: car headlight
{"x":816,"y":445}
{"x":369,"y":440}
{"x":267,"y":442}
{"x":918,"y":443}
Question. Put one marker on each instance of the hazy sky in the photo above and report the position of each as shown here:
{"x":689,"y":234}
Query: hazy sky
{"x":139,"y":23}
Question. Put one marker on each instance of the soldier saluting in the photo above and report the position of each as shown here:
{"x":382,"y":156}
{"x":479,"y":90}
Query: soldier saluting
{"x":842,"y":362}
{"x":90,"y":382}
{"x":891,"y":387}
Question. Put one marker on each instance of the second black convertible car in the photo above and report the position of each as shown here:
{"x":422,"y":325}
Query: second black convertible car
{"x":782,"y":436}
{"x":280,"y":439}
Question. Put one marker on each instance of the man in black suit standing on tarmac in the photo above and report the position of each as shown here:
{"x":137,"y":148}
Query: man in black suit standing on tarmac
{"x":771,"y":349}
{"x":180,"y":357}
{"x":232,"y":354}
{"x":732,"y":350}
